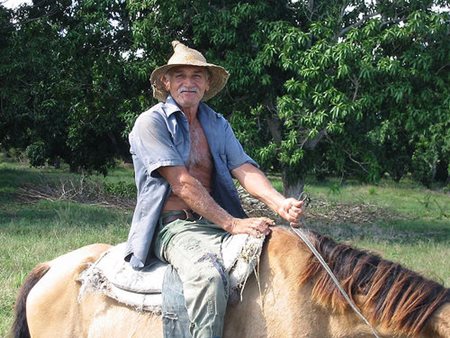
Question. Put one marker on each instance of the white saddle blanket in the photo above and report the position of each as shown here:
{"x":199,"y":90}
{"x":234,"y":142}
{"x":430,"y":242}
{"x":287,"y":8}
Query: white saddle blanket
{"x":141,"y":289}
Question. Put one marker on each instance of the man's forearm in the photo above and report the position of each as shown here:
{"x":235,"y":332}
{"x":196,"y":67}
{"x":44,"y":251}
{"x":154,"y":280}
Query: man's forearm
{"x":259,"y":186}
{"x":194,"y":194}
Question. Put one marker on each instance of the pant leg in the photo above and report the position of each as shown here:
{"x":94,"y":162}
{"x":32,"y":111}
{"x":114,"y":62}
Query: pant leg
{"x":193,"y":249}
{"x":174,"y":313}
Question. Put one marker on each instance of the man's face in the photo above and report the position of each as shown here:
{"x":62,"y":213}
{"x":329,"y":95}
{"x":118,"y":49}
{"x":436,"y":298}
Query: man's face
{"x":187,"y":85}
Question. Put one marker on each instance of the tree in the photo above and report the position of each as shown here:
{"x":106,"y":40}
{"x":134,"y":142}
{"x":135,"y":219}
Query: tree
{"x":72,"y":81}
{"x":10,"y":130}
{"x":371,"y":81}
{"x":319,"y":87}
{"x":349,"y":88}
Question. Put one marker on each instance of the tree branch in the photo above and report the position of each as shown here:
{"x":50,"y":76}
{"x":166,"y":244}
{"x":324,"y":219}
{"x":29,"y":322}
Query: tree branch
{"x":437,"y":72}
{"x":355,"y":82}
{"x":274,"y":123}
{"x":361,"y":165}
{"x":385,"y":23}
{"x":357,"y":24}
{"x":311,"y":144}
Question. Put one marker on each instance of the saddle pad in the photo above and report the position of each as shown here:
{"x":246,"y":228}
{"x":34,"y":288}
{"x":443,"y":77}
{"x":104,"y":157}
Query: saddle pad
{"x":116,"y":278}
{"x":93,"y":280}
{"x":120,"y":273}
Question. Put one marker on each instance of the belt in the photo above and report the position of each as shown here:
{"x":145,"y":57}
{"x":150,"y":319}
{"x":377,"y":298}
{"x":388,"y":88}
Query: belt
{"x":184,"y":215}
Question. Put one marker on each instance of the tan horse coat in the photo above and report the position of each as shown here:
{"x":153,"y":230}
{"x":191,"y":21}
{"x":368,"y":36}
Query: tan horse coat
{"x":286,"y":303}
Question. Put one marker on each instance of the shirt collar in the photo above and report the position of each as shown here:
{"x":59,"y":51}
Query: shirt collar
{"x":170,"y":106}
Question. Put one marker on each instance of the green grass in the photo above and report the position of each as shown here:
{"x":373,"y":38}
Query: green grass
{"x":410,"y":224}
{"x":35,"y":232}
{"x":426,"y":257}
{"x":404,"y":198}
{"x":413,"y":226}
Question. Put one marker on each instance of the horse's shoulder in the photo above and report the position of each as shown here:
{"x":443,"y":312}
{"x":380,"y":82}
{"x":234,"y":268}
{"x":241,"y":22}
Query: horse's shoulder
{"x":282,"y":240}
{"x":285,"y":250}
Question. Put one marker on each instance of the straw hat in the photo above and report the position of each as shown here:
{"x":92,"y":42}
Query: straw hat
{"x":185,"y":56}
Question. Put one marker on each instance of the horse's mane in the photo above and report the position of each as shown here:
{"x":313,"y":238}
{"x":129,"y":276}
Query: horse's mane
{"x":391,"y":295}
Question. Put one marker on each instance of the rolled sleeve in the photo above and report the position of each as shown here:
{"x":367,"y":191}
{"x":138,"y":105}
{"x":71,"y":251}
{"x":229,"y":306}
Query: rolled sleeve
{"x":151,"y":141}
{"x":235,"y":155}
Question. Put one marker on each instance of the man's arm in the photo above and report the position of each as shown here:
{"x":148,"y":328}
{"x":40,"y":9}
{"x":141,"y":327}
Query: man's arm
{"x":192,"y":192}
{"x":258,"y":185}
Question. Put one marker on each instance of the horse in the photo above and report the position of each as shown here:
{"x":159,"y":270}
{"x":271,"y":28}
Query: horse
{"x":290,"y":296}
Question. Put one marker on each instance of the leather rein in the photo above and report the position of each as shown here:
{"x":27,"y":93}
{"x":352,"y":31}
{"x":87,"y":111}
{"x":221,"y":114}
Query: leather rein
{"x":303,"y":236}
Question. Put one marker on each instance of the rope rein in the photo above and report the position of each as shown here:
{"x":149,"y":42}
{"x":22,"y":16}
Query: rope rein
{"x":301,"y":233}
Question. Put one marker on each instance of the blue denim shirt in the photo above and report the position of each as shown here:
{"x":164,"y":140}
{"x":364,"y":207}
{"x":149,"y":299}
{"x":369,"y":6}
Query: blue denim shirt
{"x":160,"y":137}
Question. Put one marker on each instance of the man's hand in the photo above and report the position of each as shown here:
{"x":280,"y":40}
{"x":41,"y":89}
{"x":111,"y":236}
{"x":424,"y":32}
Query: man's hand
{"x":255,"y":226}
{"x":291,"y":210}
{"x":257,"y":184}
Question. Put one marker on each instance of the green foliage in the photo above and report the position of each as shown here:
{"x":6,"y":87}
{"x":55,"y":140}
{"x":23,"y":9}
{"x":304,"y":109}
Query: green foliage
{"x":36,"y":154}
{"x":362,"y":82}
{"x":372,"y":191}
{"x":335,"y":189}
{"x":350,"y":88}
{"x":69,"y":79}
{"x":121,"y":189}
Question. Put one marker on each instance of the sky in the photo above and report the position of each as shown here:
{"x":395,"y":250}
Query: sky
{"x":13,"y":3}
{"x":16,"y":3}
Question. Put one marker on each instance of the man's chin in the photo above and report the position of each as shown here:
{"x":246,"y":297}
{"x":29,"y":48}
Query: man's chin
{"x":186,"y":101}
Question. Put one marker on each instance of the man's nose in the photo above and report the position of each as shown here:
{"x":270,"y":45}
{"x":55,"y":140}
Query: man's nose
{"x":189,"y":81}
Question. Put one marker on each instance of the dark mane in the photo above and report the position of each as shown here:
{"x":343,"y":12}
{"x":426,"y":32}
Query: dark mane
{"x":393,"y":296}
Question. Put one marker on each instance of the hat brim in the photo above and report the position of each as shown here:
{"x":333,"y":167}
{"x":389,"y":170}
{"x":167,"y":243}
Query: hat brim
{"x":217,"y":80}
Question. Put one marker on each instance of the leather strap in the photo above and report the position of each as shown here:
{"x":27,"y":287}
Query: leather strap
{"x":185,"y":215}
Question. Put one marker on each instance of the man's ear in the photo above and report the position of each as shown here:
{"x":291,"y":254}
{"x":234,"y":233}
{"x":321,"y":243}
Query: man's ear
{"x":166,"y":82}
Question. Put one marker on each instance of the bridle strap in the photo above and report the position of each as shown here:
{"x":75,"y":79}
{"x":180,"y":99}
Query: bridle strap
{"x":300,"y":233}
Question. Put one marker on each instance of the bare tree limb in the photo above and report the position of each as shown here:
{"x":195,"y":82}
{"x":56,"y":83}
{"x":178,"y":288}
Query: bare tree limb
{"x":312,"y":144}
{"x":361,"y":165}
{"x":357,"y":24}
{"x":355,"y":82}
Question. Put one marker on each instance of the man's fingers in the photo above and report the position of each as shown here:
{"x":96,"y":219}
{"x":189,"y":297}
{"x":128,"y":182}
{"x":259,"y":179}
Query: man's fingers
{"x":295,"y":224}
{"x":253,"y":226}
{"x":263,"y":224}
{"x":270,"y":222}
{"x":263,"y":229}
{"x":254,"y":233}
{"x":297,"y":204}
{"x":296,"y":214}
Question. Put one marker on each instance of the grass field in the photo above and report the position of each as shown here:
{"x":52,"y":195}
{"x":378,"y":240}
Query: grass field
{"x":45,"y":213}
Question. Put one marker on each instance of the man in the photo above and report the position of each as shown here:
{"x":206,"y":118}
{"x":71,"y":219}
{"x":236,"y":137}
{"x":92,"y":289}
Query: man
{"x":185,"y":156}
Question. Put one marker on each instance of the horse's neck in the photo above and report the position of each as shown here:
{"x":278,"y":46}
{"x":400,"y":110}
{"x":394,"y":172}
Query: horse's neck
{"x":282,"y":265}
{"x":439,"y":323}
{"x":273,"y":303}
{"x":287,"y":304}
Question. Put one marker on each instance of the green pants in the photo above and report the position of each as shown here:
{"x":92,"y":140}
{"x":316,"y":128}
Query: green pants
{"x":194,"y":250}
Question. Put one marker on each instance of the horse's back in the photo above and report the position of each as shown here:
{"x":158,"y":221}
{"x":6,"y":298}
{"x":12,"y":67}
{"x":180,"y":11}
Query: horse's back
{"x":51,"y":303}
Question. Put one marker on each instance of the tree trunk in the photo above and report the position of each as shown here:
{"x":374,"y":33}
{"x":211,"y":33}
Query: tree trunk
{"x":292,"y":185}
